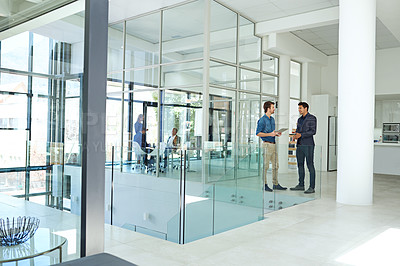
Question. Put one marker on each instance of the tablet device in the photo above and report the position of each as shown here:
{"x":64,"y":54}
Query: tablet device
{"x":281,"y":130}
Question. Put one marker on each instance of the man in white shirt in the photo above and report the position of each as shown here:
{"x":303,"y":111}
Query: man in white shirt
{"x":173,"y":142}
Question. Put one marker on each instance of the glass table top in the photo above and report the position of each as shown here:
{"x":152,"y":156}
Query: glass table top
{"x":44,"y":241}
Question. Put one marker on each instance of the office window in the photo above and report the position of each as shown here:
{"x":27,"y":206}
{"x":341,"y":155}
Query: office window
{"x":223,"y":33}
{"x":115,"y":47}
{"x":15,"y":52}
{"x":270,"y":64}
{"x":142,"y":41}
{"x":41,"y":54}
{"x":183,"y":32}
{"x":249,"y":45}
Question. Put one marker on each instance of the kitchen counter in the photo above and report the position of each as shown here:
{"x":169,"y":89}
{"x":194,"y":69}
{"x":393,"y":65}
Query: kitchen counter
{"x":387,"y":144}
{"x":387,"y":158}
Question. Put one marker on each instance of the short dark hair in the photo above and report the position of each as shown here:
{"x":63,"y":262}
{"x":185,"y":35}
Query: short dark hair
{"x":304,"y":104}
{"x":268,"y":105}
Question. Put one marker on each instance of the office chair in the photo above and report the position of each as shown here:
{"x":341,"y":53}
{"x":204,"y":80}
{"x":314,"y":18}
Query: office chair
{"x":152,"y":166}
{"x":140,"y":156}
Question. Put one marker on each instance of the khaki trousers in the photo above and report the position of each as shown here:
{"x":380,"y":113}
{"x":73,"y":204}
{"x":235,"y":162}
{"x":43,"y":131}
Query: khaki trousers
{"x":269,"y":154}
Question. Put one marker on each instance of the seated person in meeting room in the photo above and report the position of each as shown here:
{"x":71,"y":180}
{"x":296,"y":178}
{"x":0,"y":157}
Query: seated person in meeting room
{"x":266,"y":131}
{"x":173,"y":142}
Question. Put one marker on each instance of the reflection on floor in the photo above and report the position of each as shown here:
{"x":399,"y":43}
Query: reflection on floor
{"x":319,"y":232}
{"x":247,"y":189}
{"x":61,"y":223}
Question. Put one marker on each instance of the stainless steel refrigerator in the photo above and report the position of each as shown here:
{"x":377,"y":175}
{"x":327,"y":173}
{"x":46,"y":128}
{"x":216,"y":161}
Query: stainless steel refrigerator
{"x":332,"y":143}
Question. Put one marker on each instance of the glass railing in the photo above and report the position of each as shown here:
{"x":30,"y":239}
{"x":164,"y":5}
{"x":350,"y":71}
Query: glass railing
{"x":143,"y":190}
{"x":180,"y":195}
{"x":288,"y":176}
{"x":186,"y":194}
{"x":230,"y":197}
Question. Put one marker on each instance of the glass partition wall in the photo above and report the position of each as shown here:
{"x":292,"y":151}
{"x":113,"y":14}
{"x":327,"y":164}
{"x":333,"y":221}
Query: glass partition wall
{"x":40,"y":126}
{"x":185,"y":90}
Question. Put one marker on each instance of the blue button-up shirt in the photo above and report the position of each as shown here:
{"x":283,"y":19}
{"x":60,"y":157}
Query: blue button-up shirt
{"x":266,"y":125}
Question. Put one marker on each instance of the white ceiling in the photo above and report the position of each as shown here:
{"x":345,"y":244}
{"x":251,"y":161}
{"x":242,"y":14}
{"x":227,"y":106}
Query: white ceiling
{"x":56,"y":30}
{"x":257,"y":10}
{"x":123,"y":9}
{"x":183,"y":21}
{"x":262,"y":10}
{"x":325,"y":38}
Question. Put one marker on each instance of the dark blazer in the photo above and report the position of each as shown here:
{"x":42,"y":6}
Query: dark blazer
{"x":307,"y":130}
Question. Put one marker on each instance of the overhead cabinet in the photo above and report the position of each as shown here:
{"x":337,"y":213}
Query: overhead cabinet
{"x":387,"y":112}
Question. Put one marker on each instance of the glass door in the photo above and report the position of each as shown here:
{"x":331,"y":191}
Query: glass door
{"x":221,"y":138}
{"x":181,"y":127}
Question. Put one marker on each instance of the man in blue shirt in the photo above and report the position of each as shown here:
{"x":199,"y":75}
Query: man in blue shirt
{"x":266,"y":131}
{"x":306,"y":129}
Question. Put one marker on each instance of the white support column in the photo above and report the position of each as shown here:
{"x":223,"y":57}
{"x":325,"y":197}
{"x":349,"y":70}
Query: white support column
{"x":356,"y":94}
{"x":305,"y":95}
{"x":283,"y":111}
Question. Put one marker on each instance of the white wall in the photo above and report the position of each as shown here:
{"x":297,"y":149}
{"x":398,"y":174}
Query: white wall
{"x":313,"y":85}
{"x":323,"y":106}
{"x":77,"y":58}
{"x":387,"y":75}
{"x":387,"y":78}
{"x":289,"y":44}
{"x":386,"y":81}
{"x":329,"y":77}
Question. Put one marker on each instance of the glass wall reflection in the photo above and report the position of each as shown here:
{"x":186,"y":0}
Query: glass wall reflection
{"x":222,"y":135}
{"x":40,"y":125}
{"x":183,"y":32}
{"x":182,"y":149}
{"x":142,"y":41}
{"x":249,"y":45}
{"x":223,"y":35}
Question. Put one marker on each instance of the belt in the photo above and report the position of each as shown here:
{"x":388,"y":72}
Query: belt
{"x":269,"y":142}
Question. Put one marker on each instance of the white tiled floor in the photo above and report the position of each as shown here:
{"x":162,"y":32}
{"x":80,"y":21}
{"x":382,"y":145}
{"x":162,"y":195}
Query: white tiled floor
{"x":315,"y":233}
{"x":320,"y":232}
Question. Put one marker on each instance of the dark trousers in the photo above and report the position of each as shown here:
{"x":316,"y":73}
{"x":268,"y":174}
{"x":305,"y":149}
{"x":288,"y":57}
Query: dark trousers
{"x":304,"y":152}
